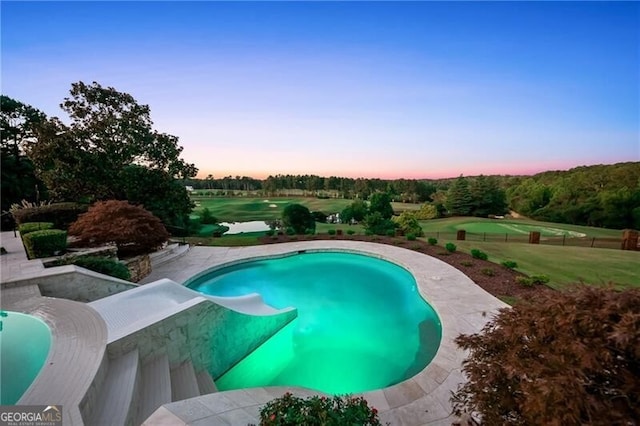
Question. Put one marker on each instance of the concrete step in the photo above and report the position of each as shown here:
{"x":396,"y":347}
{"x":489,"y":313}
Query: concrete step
{"x":206,"y":383}
{"x":118,"y":396}
{"x":156,"y":387}
{"x":168,"y":253}
{"x":184,"y":384}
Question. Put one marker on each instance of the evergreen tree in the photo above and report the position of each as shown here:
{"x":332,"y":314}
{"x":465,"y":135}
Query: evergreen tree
{"x":459,"y":200}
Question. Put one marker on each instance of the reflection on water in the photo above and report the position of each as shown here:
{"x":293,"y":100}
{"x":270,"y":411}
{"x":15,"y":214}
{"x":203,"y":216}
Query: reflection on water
{"x":240,"y":227}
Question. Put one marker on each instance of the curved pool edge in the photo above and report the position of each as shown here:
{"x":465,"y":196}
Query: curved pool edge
{"x":463,"y":307}
{"x":430,"y":320}
{"x":77,"y":351}
{"x":37,"y":335}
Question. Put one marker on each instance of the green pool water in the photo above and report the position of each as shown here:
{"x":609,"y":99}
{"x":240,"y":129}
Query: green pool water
{"x":24,"y":345}
{"x":361,"y":324}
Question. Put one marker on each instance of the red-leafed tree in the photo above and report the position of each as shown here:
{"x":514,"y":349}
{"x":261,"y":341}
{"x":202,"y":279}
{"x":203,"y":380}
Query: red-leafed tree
{"x":564,"y":359}
{"x":131,"y":228}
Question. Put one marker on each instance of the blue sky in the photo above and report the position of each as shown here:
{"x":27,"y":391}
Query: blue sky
{"x":371,"y":89}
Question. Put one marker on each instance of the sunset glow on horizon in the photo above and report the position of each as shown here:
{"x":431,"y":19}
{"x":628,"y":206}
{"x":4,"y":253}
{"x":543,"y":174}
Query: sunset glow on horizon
{"x":353,"y":89}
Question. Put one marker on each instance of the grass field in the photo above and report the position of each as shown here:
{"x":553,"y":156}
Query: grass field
{"x":565,"y":265}
{"x":514,"y":227}
{"x":241,"y":209}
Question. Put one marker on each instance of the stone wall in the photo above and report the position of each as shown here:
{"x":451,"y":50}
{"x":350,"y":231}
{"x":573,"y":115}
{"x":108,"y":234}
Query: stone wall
{"x":74,"y":283}
{"x":215,"y":338}
{"x":139,"y":267}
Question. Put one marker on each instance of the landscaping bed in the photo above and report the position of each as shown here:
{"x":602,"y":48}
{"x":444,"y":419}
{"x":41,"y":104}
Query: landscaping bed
{"x":493,"y":278}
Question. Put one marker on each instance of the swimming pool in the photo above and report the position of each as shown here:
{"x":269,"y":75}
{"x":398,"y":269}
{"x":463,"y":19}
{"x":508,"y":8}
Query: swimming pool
{"x":24,"y":345}
{"x":361,"y":325}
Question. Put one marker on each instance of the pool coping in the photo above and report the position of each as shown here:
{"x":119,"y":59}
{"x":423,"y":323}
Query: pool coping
{"x":462,"y":306}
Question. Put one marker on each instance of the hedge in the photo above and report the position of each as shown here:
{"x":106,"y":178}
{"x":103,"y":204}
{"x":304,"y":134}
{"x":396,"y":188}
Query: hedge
{"x":29,"y":227}
{"x":60,"y":214}
{"x":104,"y":266}
{"x":45,"y":243}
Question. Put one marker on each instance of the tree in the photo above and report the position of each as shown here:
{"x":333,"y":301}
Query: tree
{"x":109,"y":131}
{"x":381,"y":202}
{"x":319,"y":216}
{"x":408,"y":222}
{"x":207,"y":218}
{"x":19,"y":182}
{"x":459,"y":200}
{"x":133,"y":229}
{"x":298,"y":217}
{"x":356,"y":211}
{"x":379,"y":225}
{"x":487,"y":197}
{"x":157,"y":192}
{"x":426,"y":212}
{"x":565,"y":358}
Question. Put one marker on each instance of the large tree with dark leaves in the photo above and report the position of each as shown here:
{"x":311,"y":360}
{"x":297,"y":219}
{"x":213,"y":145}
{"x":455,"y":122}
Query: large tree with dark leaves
{"x":90,"y":158}
{"x":17,"y":124}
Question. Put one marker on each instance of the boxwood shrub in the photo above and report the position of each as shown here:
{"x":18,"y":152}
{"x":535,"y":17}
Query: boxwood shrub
{"x":103,"y":265}
{"x":45,"y":243}
{"x":28,"y":227}
{"x":479,"y":254}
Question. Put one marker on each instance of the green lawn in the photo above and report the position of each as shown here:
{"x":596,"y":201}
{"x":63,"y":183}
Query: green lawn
{"x":235,"y":240}
{"x":515,"y":227}
{"x":242,"y":209}
{"x":565,"y":265}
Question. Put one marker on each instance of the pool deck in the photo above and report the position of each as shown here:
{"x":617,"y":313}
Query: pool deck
{"x":462,"y":306}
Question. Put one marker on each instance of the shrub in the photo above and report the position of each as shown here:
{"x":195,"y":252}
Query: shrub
{"x":488,"y":272}
{"x":379,"y":225}
{"x":426,"y":212}
{"x":408,"y":223}
{"x":270,"y":233}
{"x":479,"y":254}
{"x":319,"y":217}
{"x":28,"y":227}
{"x":45,"y":243}
{"x":350,"y":231}
{"x":539,"y":279}
{"x":290,"y":231}
{"x":432,"y":241}
{"x":466,"y":263}
{"x":298,"y":217}
{"x":524,"y":281}
{"x":331,"y":231}
{"x":510,"y":264}
{"x":133,"y":229}
{"x":102,"y":265}
{"x":310,"y":231}
{"x":569,"y":357}
{"x":207,"y":218}
{"x":450,"y":247}
{"x":411,"y":237}
{"x":368,"y":232}
{"x":289,"y":410}
{"x":60,"y":214}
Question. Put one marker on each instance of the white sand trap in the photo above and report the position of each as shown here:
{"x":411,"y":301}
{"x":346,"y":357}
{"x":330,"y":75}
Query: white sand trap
{"x":272,"y":205}
{"x":265,"y":201}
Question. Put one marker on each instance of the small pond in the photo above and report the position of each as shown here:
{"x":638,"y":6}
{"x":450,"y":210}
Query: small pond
{"x":240,"y":227}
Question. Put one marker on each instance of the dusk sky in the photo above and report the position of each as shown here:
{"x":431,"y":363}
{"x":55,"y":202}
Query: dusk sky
{"x":359,"y":89}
